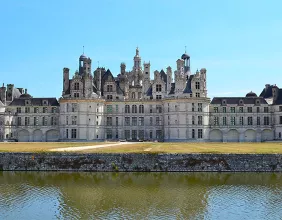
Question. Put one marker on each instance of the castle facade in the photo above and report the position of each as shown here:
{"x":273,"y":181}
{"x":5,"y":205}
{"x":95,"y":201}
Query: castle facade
{"x":138,"y":104}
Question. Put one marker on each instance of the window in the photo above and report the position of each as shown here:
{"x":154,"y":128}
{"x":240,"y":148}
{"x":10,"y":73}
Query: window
{"x":35,"y":121}
{"x":197,"y":85}
{"x":232,"y":120}
{"x":134,"y":134}
{"x":167,"y":107}
{"x":134,"y":108}
{"x":44,"y":109}
{"x":158,"y":121}
{"x":151,"y":109}
{"x":116,"y":108}
{"x":76,"y":86}
{"x":74,"y":107}
{"x":250,"y":109}
{"x":224,"y":109}
{"x":109,"y":108}
{"x":200,"y":107}
{"x":215,"y":109}
{"x":141,"y":108}
{"x":151,"y":134}
{"x":76,"y":95}
{"x":193,"y":133}
{"x":127,"y":121}
{"x":141,"y":121}
{"x":67,"y":133}
{"x":200,"y":120}
{"x":27,"y":109}
{"x":266,"y":120}
{"x":67,"y":120}
{"x":73,"y":133}
{"x":158,"y":88}
{"x":158,"y":97}
{"x":134,"y":121}
{"x":159,"y":109}
{"x":26,"y":121}
{"x":141,"y":134}
{"x":266,"y":109}
{"x":241,"y":121}
{"x":200,"y":133}
{"x":193,"y":120}
{"x":193,"y":107}
{"x":19,"y":110}
{"x":116,"y":121}
{"x":36,"y":110}
{"x":109,"y":121}
{"x":232,"y":109}
{"x":224,"y":121}
{"x":280,"y":119}
{"x":133,"y":95}
{"x":151,"y":121}
{"x":44,"y":121}
{"x":241,"y":110}
{"x":109,"y":97}
{"x":215,"y":120}
{"x":280,"y":108}
{"x":127,"y":134}
{"x":250,"y":120}
{"x":109,"y":134}
{"x":53,"y":121}
{"x":127,"y":109}
{"x":73,"y":120}
{"x":54,"y":109}
{"x":159,"y":134}
{"x":258,"y":120}
{"x":258,"y":109}
{"x":197,"y":94}
{"x":19,"y":121}
{"x":109,"y":88}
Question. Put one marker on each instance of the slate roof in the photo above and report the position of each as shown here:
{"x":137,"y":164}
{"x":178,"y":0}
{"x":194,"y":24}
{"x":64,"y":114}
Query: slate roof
{"x":150,"y":91}
{"x":278,"y":101}
{"x":172,"y":89}
{"x":188,"y":85}
{"x":267,"y":92}
{"x":164,"y":76}
{"x":236,"y":100}
{"x":34,"y":101}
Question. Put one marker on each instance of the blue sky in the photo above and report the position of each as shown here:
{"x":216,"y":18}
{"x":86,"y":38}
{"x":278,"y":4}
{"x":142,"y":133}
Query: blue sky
{"x":239,"y":42}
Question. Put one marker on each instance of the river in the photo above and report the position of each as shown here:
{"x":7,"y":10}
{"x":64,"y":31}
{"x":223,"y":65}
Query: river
{"x":63,"y":195}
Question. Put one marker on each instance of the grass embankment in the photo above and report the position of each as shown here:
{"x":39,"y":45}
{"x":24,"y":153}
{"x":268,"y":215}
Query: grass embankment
{"x":221,"y":148}
{"x":41,"y":146}
{"x":237,"y":148}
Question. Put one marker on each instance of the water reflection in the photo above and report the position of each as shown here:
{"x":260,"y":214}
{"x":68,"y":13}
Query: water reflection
{"x":51,"y":195}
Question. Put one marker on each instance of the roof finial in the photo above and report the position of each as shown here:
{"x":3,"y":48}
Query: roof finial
{"x":185,"y":49}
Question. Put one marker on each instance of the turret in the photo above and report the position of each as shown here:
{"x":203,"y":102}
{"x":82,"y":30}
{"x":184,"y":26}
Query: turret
{"x":169,"y":79}
{"x":66,"y":81}
{"x":10,"y":92}
{"x":122,"y":68}
{"x":84,"y":65}
{"x":146,"y":77}
{"x":3,"y":94}
{"x":137,"y":60}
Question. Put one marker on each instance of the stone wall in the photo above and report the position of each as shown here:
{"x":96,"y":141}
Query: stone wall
{"x":141,"y":162}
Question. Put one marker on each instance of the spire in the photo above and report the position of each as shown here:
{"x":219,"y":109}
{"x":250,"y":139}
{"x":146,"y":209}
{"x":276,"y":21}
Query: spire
{"x":137,"y":51}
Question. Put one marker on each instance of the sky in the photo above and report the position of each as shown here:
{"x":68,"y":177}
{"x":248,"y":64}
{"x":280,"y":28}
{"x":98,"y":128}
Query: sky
{"x":239,"y":42}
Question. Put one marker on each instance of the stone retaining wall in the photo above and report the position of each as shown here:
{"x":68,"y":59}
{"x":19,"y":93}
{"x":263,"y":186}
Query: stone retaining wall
{"x":141,"y":162}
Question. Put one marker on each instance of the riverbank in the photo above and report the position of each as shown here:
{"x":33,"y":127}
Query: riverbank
{"x":129,"y":162}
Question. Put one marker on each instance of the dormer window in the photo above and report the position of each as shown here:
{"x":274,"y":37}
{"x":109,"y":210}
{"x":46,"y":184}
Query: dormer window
{"x":257,"y":102}
{"x":109,"y":88}
{"x":241,"y":102}
{"x":158,"y":88}
{"x":45,"y":102}
{"x":224,"y":102}
{"x":27,"y":102}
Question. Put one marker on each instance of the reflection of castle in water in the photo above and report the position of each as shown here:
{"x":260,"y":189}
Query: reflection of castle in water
{"x":134,"y":195}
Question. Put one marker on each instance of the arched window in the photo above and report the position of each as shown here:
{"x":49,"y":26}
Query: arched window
{"x":127,"y":109}
{"x":133,"y":95}
{"x":141,"y":108}
{"x":76,"y":86}
{"x":134,"y":108}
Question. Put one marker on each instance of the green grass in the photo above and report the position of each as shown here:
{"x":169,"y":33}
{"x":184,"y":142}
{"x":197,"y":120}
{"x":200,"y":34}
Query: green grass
{"x":148,"y":147}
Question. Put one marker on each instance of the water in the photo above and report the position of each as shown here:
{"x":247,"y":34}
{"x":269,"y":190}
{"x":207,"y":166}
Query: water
{"x":55,"y":195}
